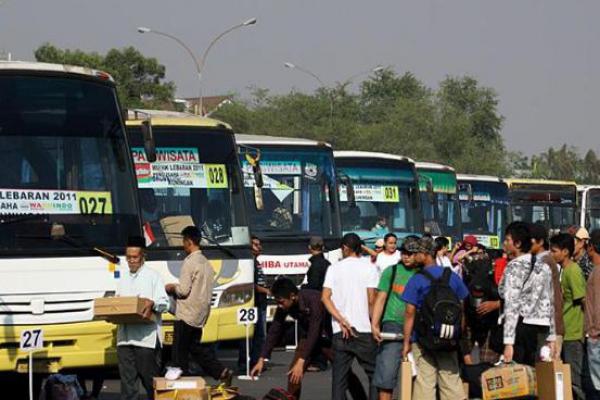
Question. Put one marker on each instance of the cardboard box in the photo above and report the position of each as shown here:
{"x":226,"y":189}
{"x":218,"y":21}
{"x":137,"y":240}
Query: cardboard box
{"x":554,"y":380}
{"x":405,"y":381}
{"x":185,"y":388}
{"x":121,"y":310}
{"x":508,"y":381}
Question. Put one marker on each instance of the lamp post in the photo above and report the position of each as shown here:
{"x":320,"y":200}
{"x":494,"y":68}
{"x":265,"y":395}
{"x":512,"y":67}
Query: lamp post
{"x":348,"y":81}
{"x":199,"y":63}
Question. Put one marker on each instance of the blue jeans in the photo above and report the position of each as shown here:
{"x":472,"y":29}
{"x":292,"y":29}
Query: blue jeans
{"x":593,"y":353}
{"x":389,"y":358}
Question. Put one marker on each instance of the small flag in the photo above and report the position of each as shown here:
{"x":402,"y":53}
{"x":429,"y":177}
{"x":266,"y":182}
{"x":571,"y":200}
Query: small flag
{"x":148,"y":234}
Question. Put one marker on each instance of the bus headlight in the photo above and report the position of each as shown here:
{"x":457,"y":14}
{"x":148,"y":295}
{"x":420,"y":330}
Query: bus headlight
{"x":236,"y":295}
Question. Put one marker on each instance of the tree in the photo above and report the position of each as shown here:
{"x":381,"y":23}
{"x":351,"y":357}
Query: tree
{"x":140,"y":80}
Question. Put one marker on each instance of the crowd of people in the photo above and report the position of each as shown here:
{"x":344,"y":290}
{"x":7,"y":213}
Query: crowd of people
{"x":454,"y":312}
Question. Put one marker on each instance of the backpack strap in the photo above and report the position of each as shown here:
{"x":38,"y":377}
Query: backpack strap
{"x":389,"y":291}
{"x":446,"y":275}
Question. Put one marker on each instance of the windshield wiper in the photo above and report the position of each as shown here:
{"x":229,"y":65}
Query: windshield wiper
{"x":24,"y":218}
{"x":219,"y":246}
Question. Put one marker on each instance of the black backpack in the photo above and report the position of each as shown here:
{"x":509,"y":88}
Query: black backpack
{"x":439,"y":318}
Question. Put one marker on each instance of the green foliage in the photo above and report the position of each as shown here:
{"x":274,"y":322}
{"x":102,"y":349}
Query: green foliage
{"x":140,"y":80}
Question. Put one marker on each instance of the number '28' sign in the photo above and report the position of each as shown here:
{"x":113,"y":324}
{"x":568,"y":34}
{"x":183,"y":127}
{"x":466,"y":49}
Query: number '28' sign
{"x":247,"y":315}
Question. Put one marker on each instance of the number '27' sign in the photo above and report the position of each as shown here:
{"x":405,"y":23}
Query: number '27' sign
{"x":32,"y":339}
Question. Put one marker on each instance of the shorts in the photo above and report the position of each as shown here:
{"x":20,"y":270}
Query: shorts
{"x":389,"y":358}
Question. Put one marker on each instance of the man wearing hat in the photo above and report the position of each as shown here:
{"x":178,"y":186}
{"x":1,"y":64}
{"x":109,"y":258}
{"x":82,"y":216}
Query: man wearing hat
{"x":580,"y":255}
{"x":435,"y":368}
{"x":138,"y":344}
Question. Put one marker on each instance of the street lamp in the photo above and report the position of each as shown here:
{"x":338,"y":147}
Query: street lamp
{"x":375,"y":70}
{"x":310,"y":73}
{"x":198,"y":63}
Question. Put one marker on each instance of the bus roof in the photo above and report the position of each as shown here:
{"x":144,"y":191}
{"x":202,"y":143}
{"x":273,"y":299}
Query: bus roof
{"x":172,"y":118}
{"x":583,"y":188}
{"x":246,"y":139}
{"x":433,"y":166}
{"x":478,"y":178}
{"x":512,"y":181}
{"x":369,"y":154}
{"x":60,"y":68}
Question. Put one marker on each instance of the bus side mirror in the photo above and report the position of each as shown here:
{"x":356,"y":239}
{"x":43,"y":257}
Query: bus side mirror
{"x":149,"y":143}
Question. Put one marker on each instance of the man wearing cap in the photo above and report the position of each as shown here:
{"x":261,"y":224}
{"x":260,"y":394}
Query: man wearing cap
{"x":435,"y":368}
{"x":580,"y":254}
{"x":318,"y":264}
{"x":388,"y":318}
{"x":138,"y":344}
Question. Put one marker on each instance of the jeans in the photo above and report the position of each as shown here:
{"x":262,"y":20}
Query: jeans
{"x":593,"y":353}
{"x":256,"y":342}
{"x":186,"y":342}
{"x":362,"y":348}
{"x":572,"y":351}
{"x":389,"y":358}
{"x":137,"y":364}
{"x":528,"y":343}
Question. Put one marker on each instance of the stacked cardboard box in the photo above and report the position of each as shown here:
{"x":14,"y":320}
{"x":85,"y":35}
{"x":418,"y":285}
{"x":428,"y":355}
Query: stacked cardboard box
{"x":121,"y":310}
{"x":185,"y":388}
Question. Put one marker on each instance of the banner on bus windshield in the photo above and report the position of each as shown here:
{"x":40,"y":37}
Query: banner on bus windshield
{"x":373,"y":193}
{"x":177,"y":167}
{"x":276,"y":167}
{"x":25,"y":201}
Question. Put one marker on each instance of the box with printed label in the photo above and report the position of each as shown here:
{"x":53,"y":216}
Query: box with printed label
{"x":508,"y":381}
{"x":554,"y":380}
{"x":121,"y":310}
{"x":185,"y":388}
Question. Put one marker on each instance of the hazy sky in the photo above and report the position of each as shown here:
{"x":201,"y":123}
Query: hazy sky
{"x":540,"y":55}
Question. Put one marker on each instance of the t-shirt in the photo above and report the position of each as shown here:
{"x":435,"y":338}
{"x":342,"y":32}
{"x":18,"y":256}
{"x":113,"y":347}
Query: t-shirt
{"x":394,"y":310}
{"x":348,"y":280}
{"x":384,"y":260}
{"x":573,"y":288}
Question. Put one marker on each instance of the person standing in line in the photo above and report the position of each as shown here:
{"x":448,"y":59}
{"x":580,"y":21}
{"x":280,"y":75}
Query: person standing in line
{"x":390,"y":254}
{"x":573,"y":290}
{"x":441,"y":252}
{"x":388,"y":317}
{"x":138,"y":344}
{"x":348,"y":295}
{"x":374,"y":252}
{"x":592,"y":314}
{"x":193,"y":294}
{"x":580,"y":255}
{"x":315,"y":276}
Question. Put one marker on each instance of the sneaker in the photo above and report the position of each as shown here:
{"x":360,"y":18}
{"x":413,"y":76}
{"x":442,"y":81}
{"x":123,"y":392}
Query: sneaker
{"x":173,"y":373}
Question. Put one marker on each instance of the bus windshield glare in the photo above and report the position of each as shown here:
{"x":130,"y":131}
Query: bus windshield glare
{"x":65,"y":162}
{"x":551,"y":205}
{"x":298,"y":192}
{"x":484,"y":207}
{"x":194,"y":181}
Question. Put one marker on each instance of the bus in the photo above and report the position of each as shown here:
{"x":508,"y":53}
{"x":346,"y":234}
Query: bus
{"x":195,"y":180}
{"x":386,"y":195}
{"x":439,"y":200}
{"x":299,"y":198}
{"x":588,"y":201}
{"x":552,"y":203}
{"x":67,"y":206}
{"x":483,"y":208}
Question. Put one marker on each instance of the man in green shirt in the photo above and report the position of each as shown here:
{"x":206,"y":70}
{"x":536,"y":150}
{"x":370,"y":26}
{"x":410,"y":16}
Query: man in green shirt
{"x":389,"y":305}
{"x":573,"y":287}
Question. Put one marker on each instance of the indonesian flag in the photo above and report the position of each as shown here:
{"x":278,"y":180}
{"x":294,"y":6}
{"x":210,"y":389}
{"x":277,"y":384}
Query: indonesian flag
{"x":148,"y":234}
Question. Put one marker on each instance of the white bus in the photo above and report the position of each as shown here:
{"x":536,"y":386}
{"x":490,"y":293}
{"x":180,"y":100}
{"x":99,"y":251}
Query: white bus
{"x":588,"y":201}
{"x":67,"y":206}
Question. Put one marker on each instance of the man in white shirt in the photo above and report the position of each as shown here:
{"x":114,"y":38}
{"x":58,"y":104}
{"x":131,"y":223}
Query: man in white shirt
{"x":348,"y":294}
{"x":138,"y":345}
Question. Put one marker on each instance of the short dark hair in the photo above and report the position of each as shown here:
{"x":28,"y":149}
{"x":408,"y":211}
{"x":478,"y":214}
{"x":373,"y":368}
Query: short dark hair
{"x":389,"y":235}
{"x":136,"y":241}
{"x":520,"y":232}
{"x":563,"y":241}
{"x":440,"y":242}
{"x":192,"y":233}
{"x":254,"y":237}
{"x":595,"y":240}
{"x":539,"y":232}
{"x":283,"y":288}
{"x":352,"y":241}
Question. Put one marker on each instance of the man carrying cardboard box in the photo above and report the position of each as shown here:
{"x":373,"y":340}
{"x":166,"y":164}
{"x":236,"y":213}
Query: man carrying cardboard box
{"x":138,"y":344}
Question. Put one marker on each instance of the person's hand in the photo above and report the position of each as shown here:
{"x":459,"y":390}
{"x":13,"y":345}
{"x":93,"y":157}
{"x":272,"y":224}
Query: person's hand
{"x":468,"y":360}
{"x":258,"y":367}
{"x":170,"y":288}
{"x":508,"y":353}
{"x":376,"y":332}
{"x":405,"y":350}
{"x":552,"y":346}
{"x":347,"y":331}
{"x":487,"y":307}
{"x":297,"y":372}
{"x":147,"y":310}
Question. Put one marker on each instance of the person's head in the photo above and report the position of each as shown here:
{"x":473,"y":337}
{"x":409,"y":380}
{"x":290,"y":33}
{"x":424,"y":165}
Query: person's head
{"x":581,"y":240}
{"x":469,"y":242}
{"x":191,"y":239}
{"x":425,"y":254}
{"x":379,"y":245}
{"x":256,"y":246}
{"x":382,"y":221}
{"x":285,"y":293}
{"x":390,"y":243}
{"x":441,"y":245}
{"x":134,"y":253}
{"x":517,"y":238}
{"x":594,"y":246}
{"x":351,"y":245}
{"x":539,"y":238}
{"x":316,"y":245}
{"x":562,"y":247}
{"x":409,"y":249}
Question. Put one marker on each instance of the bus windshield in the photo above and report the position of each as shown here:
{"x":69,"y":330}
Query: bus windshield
{"x":299,"y":193}
{"x":440,"y":207}
{"x":593,"y":209}
{"x":194,"y":181}
{"x":554,"y":206}
{"x":483,"y":207}
{"x":65,"y":162}
{"x":383,"y":192}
